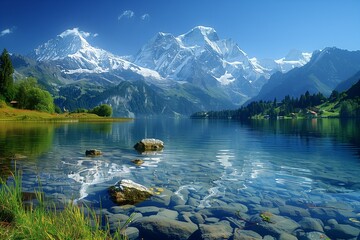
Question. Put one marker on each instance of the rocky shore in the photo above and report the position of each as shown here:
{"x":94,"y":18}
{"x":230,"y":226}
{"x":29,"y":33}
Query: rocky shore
{"x":173,"y":216}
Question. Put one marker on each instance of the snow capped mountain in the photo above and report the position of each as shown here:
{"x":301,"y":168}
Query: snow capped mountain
{"x":176,"y":57}
{"x":77,"y":56}
{"x":293,"y":59}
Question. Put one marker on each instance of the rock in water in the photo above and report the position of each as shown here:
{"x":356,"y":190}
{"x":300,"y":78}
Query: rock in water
{"x":129,"y":192}
{"x":149,"y":144}
{"x":93,"y":152}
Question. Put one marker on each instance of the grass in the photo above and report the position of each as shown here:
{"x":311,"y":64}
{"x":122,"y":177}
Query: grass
{"x":44,"y":221}
{"x":12,"y":114}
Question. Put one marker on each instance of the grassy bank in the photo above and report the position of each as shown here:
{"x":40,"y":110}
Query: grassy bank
{"x":12,"y":114}
{"x":43,"y":221}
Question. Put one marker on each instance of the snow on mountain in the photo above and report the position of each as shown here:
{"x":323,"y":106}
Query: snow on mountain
{"x":175,"y":57}
{"x":78,"y":56}
{"x":293,"y":59}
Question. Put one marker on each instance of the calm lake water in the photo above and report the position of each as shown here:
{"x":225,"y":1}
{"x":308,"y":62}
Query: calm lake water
{"x":264,"y":165}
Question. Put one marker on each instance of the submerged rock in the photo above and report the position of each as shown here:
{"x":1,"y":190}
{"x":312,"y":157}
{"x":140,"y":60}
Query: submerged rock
{"x":137,"y":162}
{"x":129,"y":192}
{"x":160,"y":227}
{"x":149,"y":144}
{"x":93,"y":152}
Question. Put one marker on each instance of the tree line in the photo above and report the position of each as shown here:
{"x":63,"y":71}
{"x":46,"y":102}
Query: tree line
{"x":349,"y":105}
{"x":28,"y":94}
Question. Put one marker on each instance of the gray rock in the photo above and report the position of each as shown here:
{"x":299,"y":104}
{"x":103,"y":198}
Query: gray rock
{"x":127,"y":191}
{"x":185,"y":218}
{"x":117,"y":209}
{"x":311,"y":224}
{"x":275,"y":227}
{"x":147,"y":211}
{"x":224,"y":211}
{"x":193,"y":202}
{"x":221,"y":230}
{"x":132,"y":233}
{"x":313,"y":236}
{"x":343,"y":231}
{"x":293,"y":212}
{"x":184,"y":208}
{"x":176,"y":200}
{"x":211,"y":220}
{"x":268,"y":237}
{"x":287,"y":236}
{"x":240,"y":234}
{"x":168,"y":213}
{"x":197,"y":218}
{"x":158,"y":227}
{"x":149,"y":144}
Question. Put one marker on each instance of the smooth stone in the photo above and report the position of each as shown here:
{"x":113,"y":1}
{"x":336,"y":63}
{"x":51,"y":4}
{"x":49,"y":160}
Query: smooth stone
{"x":240,"y":234}
{"x":116,"y":218}
{"x":267,"y":204}
{"x":293,"y":212}
{"x":132,"y":233}
{"x":268,"y":237}
{"x":162,"y":199}
{"x":274,"y":228}
{"x":220,"y":230}
{"x":117,"y":209}
{"x":287,"y":236}
{"x":197,"y":218}
{"x":193,"y":202}
{"x":323,"y":213}
{"x":168,"y":213}
{"x":311,"y":224}
{"x":211,"y":220}
{"x":147,"y":211}
{"x":184,"y":208}
{"x":313,"y":236}
{"x":223,"y":211}
{"x":343,"y":231}
{"x":176,"y":200}
{"x":158,"y":227}
{"x":185,"y":218}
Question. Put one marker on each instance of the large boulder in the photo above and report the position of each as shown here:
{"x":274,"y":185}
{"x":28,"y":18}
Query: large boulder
{"x":129,"y":192}
{"x":149,"y":144}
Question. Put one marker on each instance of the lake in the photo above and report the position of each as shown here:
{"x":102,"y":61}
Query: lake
{"x":270,"y":179}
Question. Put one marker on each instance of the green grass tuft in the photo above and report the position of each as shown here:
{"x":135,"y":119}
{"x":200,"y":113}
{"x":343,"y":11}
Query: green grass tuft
{"x":44,"y":221}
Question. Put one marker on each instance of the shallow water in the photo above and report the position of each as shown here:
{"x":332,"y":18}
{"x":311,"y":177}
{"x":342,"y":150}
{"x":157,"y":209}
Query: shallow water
{"x":307,"y":163}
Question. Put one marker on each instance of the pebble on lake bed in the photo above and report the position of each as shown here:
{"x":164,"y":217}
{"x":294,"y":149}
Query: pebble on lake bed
{"x":137,"y":162}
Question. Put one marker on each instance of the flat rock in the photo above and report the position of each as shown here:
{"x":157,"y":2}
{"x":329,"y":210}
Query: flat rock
{"x":275,"y":227}
{"x":132,"y":233}
{"x":168,"y":213}
{"x":93,"y":152}
{"x":159,"y":227}
{"x":221,"y":230}
{"x":293,"y":212}
{"x":240,"y":234}
{"x":311,"y":224}
{"x":343,"y":231}
{"x":147,"y":211}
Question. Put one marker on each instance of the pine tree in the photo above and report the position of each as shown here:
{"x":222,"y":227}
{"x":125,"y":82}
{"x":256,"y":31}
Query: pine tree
{"x":6,"y":75}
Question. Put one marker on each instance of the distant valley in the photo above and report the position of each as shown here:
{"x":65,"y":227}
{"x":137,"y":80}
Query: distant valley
{"x":178,"y":75}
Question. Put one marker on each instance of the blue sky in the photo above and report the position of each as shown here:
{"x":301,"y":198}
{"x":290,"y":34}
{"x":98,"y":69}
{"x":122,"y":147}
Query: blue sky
{"x":262,"y":28}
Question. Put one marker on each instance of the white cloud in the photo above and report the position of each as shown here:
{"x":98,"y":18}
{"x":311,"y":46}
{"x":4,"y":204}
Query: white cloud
{"x":5,"y":31}
{"x":126,"y":14}
{"x":95,"y":35}
{"x":145,"y":17}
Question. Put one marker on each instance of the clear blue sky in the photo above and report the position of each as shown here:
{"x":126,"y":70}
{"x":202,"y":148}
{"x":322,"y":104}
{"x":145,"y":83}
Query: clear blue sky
{"x":262,"y":28}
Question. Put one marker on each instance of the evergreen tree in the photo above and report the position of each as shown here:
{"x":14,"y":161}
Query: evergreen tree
{"x":6,"y":75}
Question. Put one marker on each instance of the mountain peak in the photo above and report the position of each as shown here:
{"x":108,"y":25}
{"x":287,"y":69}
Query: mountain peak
{"x":198,"y":36}
{"x":67,"y":43}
